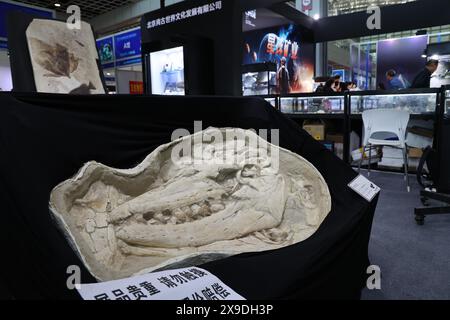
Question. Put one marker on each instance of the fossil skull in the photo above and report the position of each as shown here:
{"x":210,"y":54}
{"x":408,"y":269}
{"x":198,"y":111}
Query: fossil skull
{"x":168,"y":213}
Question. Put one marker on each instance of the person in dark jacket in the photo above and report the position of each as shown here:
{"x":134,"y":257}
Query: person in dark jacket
{"x":283,"y":78}
{"x":423,"y":79}
{"x":331,"y":86}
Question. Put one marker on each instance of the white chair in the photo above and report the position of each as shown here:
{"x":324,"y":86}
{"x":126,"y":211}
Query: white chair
{"x":386,"y":121}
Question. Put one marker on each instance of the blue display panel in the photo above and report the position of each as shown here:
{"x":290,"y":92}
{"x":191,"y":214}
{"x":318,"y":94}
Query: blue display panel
{"x":6,"y":7}
{"x":105,"y":48}
{"x":128,"y":62}
{"x":127,"y":44}
{"x":120,"y":49}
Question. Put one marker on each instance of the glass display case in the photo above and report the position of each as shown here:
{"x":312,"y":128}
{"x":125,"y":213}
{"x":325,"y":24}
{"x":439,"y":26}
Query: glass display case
{"x":423,"y":102}
{"x":313,"y":104}
{"x":167,"y":71}
{"x":259,"y":79}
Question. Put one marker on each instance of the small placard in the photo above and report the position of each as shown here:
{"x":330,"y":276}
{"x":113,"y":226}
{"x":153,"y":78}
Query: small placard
{"x":181,"y":284}
{"x":364,"y":187}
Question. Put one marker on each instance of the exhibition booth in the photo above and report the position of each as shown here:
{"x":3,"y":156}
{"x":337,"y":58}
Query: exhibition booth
{"x":248,"y":48}
{"x":90,"y":179}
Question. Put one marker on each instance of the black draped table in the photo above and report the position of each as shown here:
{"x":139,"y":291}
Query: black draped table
{"x":45,"y":139}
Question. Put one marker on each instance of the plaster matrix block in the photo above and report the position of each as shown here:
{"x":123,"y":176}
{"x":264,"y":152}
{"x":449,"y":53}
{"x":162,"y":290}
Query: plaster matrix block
{"x":168,"y":213}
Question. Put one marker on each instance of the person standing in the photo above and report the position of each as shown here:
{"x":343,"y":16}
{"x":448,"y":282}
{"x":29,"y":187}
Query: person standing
{"x":423,"y":79}
{"x":283,"y":78}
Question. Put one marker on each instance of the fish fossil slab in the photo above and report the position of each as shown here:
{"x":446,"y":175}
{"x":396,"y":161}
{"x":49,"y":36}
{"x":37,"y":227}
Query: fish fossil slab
{"x":242,"y":197}
{"x":63,"y":60}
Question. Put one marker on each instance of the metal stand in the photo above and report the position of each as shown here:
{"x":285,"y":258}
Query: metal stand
{"x":425,"y":196}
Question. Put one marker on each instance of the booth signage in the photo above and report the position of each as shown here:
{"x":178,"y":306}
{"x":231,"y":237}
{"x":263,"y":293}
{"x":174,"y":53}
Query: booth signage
{"x":106,"y":50}
{"x":197,"y":11}
{"x":250,"y":18}
{"x":281,"y":47}
{"x":339,"y":72}
{"x":180,"y":284}
{"x":120,"y":49}
{"x":136,"y":87}
{"x":127,"y":44}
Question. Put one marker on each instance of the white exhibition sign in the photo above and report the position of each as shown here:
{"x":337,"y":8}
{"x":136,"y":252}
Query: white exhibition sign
{"x":181,"y":284}
{"x":364,"y":187}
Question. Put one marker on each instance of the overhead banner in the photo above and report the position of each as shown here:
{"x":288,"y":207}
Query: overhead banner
{"x":284,"y":46}
{"x":187,"y":14}
{"x":404,"y":57}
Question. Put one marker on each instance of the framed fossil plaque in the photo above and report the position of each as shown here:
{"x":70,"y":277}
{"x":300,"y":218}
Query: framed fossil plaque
{"x":64,"y":60}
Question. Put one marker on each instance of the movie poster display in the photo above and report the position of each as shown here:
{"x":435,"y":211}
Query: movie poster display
{"x":284,"y":46}
{"x":404,"y":57}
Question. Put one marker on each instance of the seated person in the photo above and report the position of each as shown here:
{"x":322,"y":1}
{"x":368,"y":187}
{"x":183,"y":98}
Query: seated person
{"x":331,"y":86}
{"x":395,"y":81}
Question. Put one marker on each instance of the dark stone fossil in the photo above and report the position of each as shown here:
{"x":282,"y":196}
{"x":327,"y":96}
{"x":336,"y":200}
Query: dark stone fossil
{"x":56,"y":59}
{"x":83,"y":89}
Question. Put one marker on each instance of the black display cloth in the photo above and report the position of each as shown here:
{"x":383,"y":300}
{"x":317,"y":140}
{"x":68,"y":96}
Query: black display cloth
{"x":45,"y":139}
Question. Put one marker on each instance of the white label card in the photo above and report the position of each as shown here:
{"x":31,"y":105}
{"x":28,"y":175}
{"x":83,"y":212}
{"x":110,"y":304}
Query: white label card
{"x":364,"y":187}
{"x":181,"y":284}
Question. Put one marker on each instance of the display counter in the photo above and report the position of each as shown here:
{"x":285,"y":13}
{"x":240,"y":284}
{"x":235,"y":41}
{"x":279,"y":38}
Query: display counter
{"x":342,"y":112}
{"x":273,"y":100}
{"x":259,"y":79}
{"x":313,"y":104}
{"x":270,"y":98}
{"x":421,"y":103}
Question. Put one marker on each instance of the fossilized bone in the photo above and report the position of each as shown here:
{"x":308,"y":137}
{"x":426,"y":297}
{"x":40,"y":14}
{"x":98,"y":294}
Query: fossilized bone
{"x":167,"y":213}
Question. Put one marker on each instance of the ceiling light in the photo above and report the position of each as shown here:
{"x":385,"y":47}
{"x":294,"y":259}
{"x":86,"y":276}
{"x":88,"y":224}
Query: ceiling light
{"x":57,"y":5}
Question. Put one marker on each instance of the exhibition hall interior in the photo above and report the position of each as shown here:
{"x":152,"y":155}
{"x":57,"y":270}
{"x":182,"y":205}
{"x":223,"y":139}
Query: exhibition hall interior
{"x":258,"y":150}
